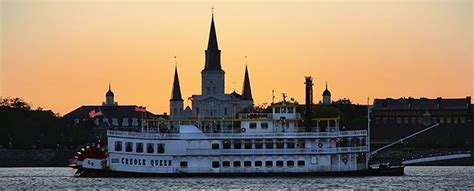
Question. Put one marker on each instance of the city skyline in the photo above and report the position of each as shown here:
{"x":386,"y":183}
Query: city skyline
{"x":62,"y":48}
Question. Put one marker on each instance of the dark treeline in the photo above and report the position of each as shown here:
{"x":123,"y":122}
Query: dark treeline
{"x":23,"y":127}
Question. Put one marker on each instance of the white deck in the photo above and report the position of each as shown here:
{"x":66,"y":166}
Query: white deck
{"x":199,"y":136}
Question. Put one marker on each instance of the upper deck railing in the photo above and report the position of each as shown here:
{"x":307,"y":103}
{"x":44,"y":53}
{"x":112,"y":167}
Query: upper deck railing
{"x":332,"y":150}
{"x":298,"y":135}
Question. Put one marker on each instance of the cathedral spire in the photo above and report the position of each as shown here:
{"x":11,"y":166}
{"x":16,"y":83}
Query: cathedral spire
{"x":213,"y":54}
{"x":176,"y":93}
{"x":212,"y":43}
{"x":246,"y":90}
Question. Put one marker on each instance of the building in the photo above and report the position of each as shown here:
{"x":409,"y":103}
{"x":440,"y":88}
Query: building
{"x":213,"y":102}
{"x":396,"y":118}
{"x":122,"y":117}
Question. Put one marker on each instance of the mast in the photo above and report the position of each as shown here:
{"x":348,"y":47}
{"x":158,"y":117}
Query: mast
{"x":368,"y":132}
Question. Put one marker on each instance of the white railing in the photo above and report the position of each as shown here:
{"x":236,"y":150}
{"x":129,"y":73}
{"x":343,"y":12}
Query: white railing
{"x":298,"y":135}
{"x":275,"y":151}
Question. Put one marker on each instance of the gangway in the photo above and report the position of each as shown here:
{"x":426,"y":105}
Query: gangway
{"x":437,"y":158}
{"x":403,"y":139}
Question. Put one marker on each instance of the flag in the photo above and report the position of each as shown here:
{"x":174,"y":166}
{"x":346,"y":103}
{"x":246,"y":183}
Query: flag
{"x":140,"y":109}
{"x":94,"y":113}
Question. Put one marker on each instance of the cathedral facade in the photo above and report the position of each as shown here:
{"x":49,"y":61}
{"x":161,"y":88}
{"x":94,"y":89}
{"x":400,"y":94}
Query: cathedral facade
{"x":213,"y":102}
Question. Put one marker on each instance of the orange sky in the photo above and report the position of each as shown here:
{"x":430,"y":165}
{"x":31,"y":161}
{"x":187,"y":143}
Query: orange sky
{"x":62,"y":54}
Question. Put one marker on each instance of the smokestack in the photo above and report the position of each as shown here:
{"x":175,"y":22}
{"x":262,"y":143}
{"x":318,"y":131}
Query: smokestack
{"x":308,"y":103}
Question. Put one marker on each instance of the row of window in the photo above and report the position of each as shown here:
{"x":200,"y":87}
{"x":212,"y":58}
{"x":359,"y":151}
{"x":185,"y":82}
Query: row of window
{"x":284,"y":109}
{"x":150,"y":147}
{"x":115,"y":122}
{"x":269,"y":144}
{"x":263,"y":125}
{"x":419,"y":112}
{"x":280,"y":163}
{"x":421,"y":120}
{"x":212,"y":112}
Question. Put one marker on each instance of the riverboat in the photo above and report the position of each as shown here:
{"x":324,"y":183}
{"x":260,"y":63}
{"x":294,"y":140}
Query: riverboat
{"x":264,"y":144}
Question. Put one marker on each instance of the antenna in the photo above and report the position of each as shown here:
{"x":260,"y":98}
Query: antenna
{"x":273,"y":97}
{"x":175,"y":61}
{"x":212,"y":10}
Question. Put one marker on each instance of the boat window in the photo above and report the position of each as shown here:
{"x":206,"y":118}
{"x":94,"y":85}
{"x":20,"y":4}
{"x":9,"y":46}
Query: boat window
{"x":268,"y":163}
{"x":258,"y":144}
{"x":300,"y":144}
{"x":237,"y":144}
{"x":258,"y":163}
{"x":279,"y":163}
{"x":118,"y":145}
{"x":226,"y":144}
{"x":290,"y":163}
{"x":280,"y":144}
{"x":128,"y":147}
{"x":139,"y":147}
{"x":236,"y":163}
{"x":301,"y":163}
{"x":215,"y":164}
{"x":149,"y":148}
{"x":253,"y":125}
{"x":277,"y":110}
{"x":290,"y":110}
{"x":248,"y":144}
{"x":226,"y":164}
{"x":161,"y":148}
{"x":264,"y":125}
{"x":290,"y":143}
{"x":247,"y":163}
{"x":215,"y":145}
{"x":183,"y":164}
{"x":269,"y":144}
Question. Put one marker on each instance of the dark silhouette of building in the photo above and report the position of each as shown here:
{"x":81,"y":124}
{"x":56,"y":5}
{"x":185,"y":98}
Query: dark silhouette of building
{"x":396,"y":118}
{"x":213,"y":102}
{"x":119,"y":117}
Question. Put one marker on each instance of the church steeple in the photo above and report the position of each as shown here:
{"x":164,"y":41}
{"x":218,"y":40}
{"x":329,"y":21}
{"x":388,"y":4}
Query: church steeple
{"x":212,"y":43}
{"x":176,"y":92}
{"x":246,"y":90}
{"x":213,"y":54}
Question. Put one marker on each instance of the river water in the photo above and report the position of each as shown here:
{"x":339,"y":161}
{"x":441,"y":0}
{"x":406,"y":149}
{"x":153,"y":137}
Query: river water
{"x":415,"y":178}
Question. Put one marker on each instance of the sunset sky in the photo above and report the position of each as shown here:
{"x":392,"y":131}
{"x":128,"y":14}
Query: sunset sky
{"x":62,"y":54}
